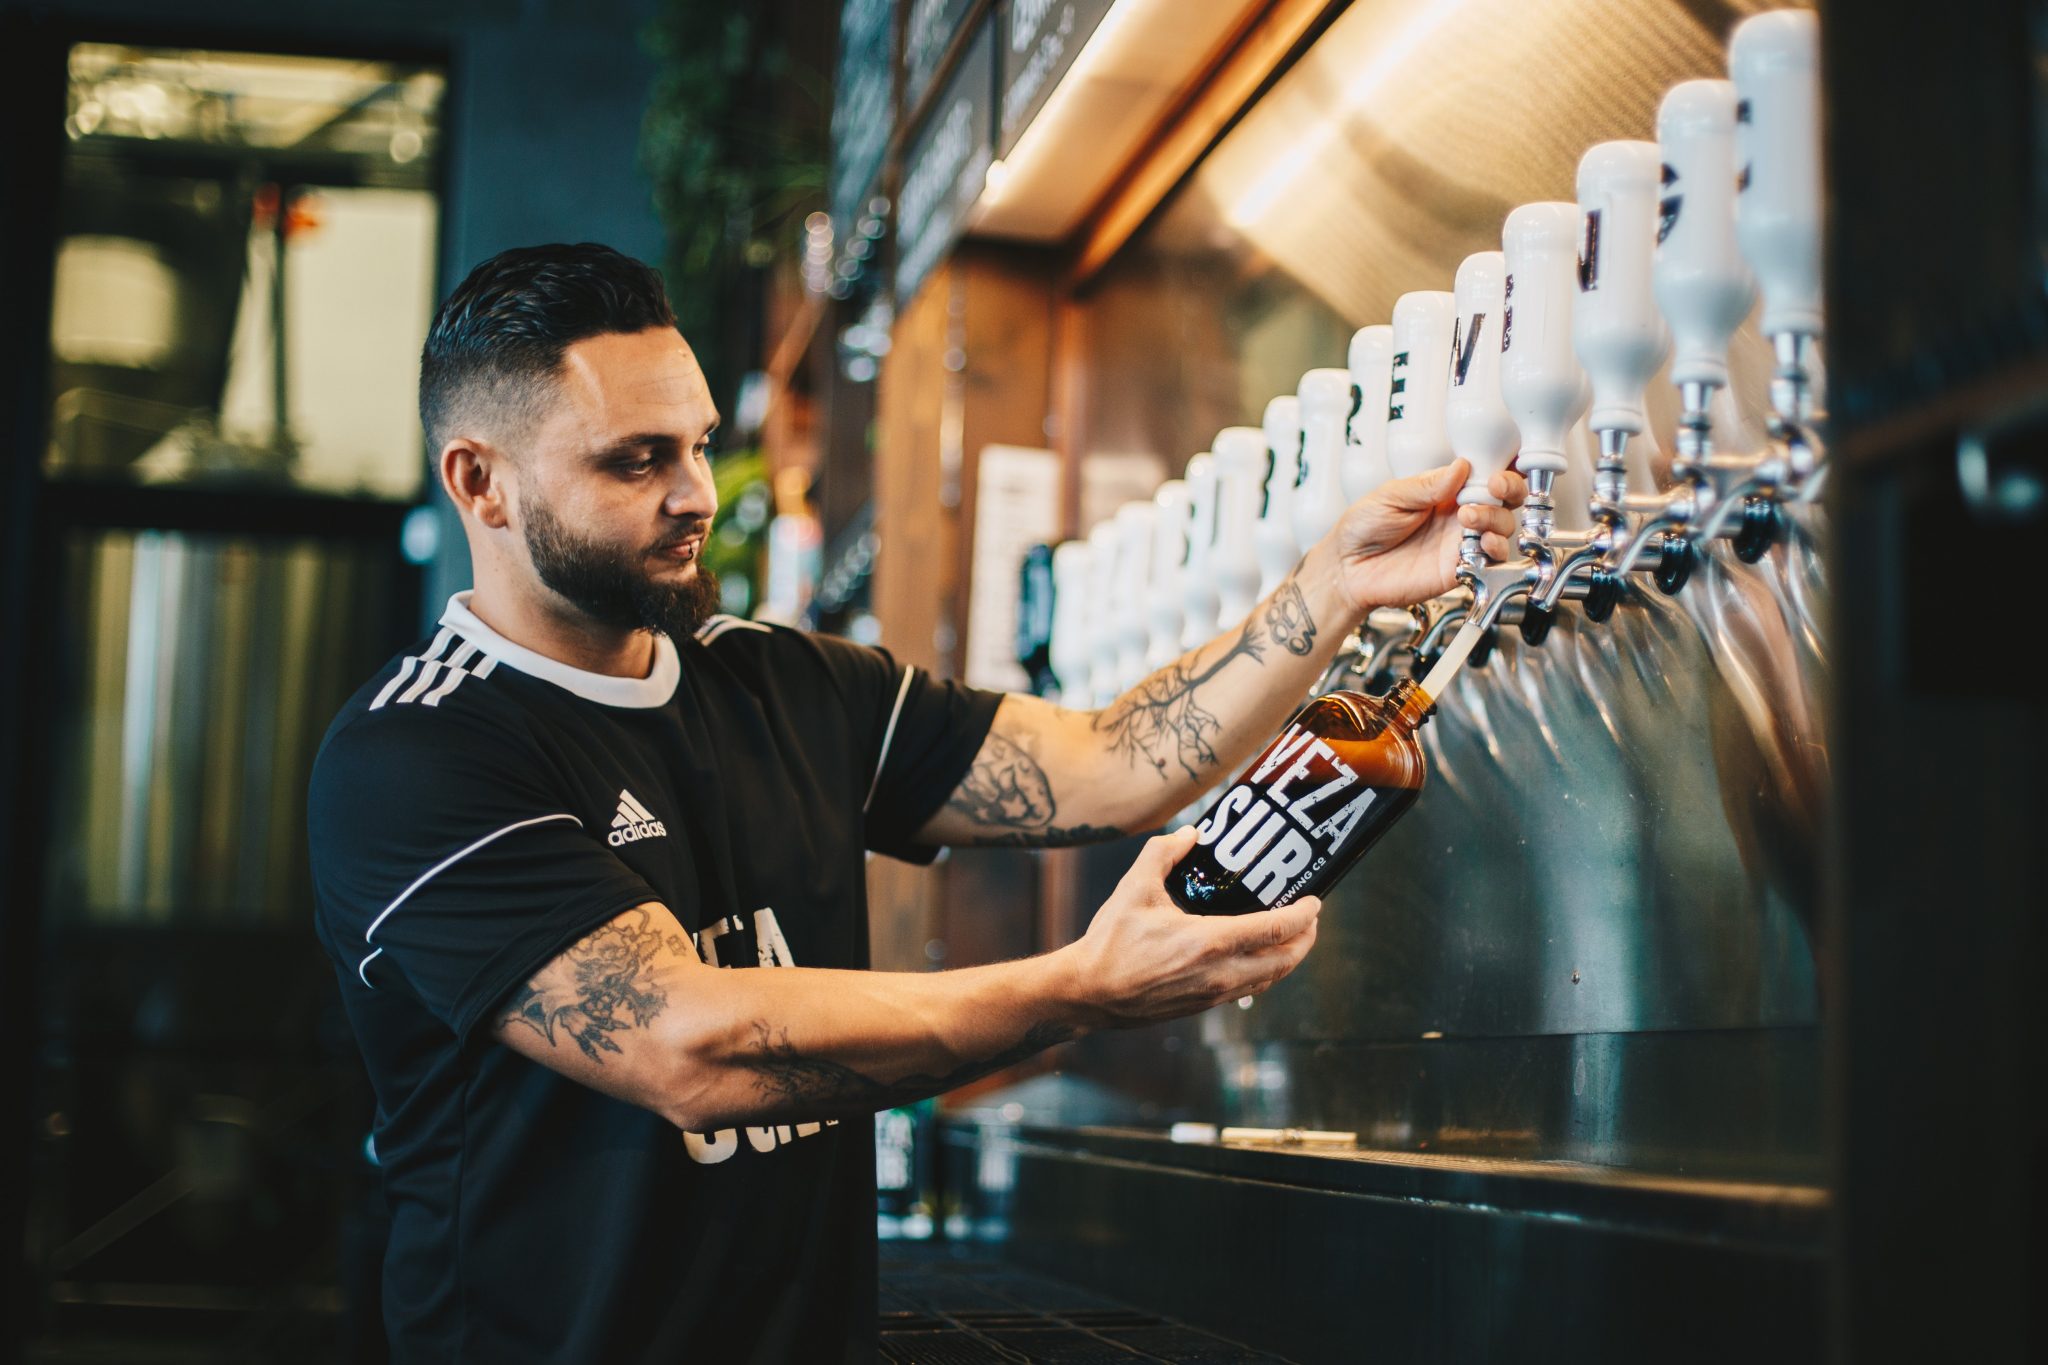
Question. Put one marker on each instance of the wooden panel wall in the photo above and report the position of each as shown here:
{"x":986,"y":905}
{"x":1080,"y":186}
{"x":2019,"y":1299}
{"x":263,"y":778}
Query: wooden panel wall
{"x":969,"y":365}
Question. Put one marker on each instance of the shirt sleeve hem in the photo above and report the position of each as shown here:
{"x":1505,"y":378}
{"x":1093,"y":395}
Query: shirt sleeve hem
{"x":900,"y":842}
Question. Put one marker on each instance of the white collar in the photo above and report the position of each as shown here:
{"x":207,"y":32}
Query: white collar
{"x":653,"y":690}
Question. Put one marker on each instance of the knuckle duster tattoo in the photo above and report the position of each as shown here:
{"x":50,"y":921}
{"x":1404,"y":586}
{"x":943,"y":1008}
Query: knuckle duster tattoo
{"x":1008,"y":792}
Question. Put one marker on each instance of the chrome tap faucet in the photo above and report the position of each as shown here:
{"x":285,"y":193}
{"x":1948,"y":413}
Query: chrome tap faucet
{"x":1483,"y":431}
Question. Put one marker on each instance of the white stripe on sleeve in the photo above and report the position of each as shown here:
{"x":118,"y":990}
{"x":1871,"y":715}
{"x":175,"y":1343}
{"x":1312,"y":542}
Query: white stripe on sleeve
{"x":888,"y":737}
{"x":443,"y":866}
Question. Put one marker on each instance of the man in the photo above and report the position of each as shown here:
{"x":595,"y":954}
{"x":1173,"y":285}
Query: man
{"x":538,"y":836}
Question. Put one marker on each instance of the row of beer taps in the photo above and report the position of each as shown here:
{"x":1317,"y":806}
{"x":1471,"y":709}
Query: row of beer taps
{"x":1662,"y":257}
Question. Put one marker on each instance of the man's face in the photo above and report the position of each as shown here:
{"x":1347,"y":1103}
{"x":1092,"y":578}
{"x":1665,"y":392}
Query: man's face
{"x":615,"y":496}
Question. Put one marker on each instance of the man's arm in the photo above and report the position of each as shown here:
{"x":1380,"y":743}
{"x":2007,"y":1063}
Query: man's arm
{"x":631,"y":1010}
{"x":1049,"y":775}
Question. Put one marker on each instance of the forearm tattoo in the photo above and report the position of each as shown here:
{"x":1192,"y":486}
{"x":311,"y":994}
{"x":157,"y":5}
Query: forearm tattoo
{"x":1289,"y":619}
{"x":1008,"y":797}
{"x":1160,"y":723}
{"x":613,"y":988}
{"x":798,"y":1084}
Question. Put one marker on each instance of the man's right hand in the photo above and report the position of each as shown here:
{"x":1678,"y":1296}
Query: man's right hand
{"x":1144,"y":959}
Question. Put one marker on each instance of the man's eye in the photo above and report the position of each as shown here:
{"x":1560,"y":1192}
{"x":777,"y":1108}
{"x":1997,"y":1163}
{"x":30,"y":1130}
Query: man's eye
{"x":645,"y":466}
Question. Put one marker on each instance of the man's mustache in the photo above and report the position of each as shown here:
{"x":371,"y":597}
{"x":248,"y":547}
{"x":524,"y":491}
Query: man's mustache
{"x":690,"y":532}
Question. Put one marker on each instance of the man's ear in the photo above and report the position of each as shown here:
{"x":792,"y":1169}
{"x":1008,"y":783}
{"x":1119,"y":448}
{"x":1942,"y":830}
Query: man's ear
{"x":477,"y":476}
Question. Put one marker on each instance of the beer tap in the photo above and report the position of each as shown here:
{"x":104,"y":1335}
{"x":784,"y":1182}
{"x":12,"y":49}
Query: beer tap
{"x":1072,"y":649}
{"x":1370,"y":360}
{"x":1240,"y":457}
{"x":1418,"y":382}
{"x":1483,"y":431}
{"x":1166,"y":600}
{"x":1621,"y":340}
{"x":1774,"y":60}
{"x":1133,"y":590}
{"x":1545,"y":388}
{"x":1325,"y":402}
{"x":1199,"y":604}
{"x":1274,"y":534}
{"x":1704,"y":290}
{"x":1329,"y":401}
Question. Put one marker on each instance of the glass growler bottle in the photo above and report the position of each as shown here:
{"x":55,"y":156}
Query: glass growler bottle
{"x":1309,"y":806}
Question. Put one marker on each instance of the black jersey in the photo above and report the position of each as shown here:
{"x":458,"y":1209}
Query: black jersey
{"x":478,"y":807}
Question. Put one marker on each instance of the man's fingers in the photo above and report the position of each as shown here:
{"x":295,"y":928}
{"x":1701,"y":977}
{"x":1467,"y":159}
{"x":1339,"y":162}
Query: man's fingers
{"x":1157,"y":857}
{"x":1484,"y":516}
{"x":1511,"y":488}
{"x":1257,"y":972}
{"x":1270,"y":928}
{"x":1425,"y":491}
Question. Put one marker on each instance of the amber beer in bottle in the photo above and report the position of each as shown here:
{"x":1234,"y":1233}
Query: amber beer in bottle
{"x":1342,"y":772}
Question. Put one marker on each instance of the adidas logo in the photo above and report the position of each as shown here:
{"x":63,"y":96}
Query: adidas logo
{"x":633,"y":823}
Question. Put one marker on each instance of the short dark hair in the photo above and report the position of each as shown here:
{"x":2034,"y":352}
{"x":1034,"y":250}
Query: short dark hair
{"x":500,"y":336}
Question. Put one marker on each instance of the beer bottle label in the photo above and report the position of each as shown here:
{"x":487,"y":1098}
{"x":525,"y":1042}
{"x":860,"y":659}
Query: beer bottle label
{"x":1296,"y":819}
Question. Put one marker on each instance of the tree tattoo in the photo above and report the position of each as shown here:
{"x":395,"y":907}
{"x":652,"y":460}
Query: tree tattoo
{"x":613,"y":988}
{"x":797,"y":1083}
{"x":1288,"y":617}
{"x":1159,"y":721}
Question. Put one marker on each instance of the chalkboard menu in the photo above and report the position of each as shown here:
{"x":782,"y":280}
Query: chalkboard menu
{"x":946,"y":165}
{"x":862,"y":114}
{"x":927,"y":32}
{"x":1040,"y":40}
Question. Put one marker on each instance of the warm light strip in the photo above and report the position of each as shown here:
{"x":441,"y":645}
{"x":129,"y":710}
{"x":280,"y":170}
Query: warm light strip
{"x":1039,"y":139}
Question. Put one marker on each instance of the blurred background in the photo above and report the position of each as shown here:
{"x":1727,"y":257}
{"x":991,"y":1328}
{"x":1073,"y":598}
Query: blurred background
{"x":1705,"y":1043}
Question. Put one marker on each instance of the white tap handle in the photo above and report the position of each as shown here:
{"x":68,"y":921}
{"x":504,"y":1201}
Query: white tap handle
{"x":1421,"y":374}
{"x":1073,"y":652}
{"x":1169,"y":579}
{"x":1620,"y":338}
{"x":1481,"y":429}
{"x":1199,"y":605}
{"x":1703,"y":285}
{"x":1280,"y":473}
{"x":1371,"y":361}
{"x":1319,"y":495}
{"x":1105,"y":623}
{"x":1240,"y":458}
{"x":1133,"y":590}
{"x":1774,"y":59}
{"x":1540,"y":379}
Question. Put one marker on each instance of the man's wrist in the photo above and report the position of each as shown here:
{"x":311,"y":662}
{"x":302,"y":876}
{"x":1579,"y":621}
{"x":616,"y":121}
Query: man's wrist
{"x":1321,"y":580}
{"x":1059,"y":991}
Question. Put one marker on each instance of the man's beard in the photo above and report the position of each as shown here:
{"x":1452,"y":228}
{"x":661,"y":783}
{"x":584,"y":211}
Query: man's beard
{"x":613,"y":587}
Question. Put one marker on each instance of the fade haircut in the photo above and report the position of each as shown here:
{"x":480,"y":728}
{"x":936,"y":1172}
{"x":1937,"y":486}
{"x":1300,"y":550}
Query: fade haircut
{"x":496,"y":343}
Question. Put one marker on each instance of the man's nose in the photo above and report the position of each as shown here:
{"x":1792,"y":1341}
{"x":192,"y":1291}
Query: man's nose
{"x":692,"y":493}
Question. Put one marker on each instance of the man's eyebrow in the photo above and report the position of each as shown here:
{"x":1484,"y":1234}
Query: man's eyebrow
{"x":627,"y":445}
